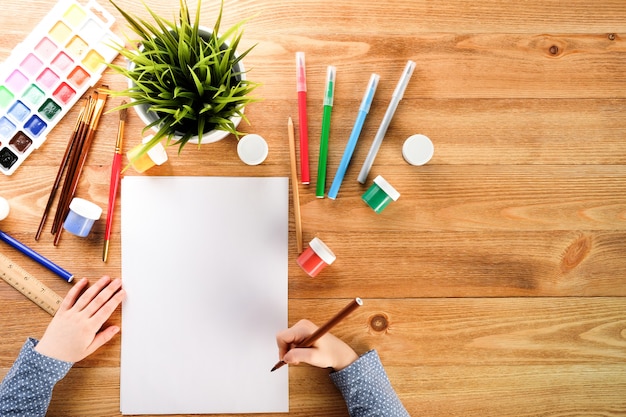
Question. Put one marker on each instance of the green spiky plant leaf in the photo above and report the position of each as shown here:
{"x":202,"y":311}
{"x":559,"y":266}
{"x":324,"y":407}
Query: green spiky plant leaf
{"x":191,"y":80}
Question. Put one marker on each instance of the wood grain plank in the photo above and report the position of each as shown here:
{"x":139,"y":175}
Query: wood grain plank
{"x":467,"y":265}
{"x":520,"y":230}
{"x":438,"y":331}
{"x":320,"y":17}
{"x":317,"y":18}
{"x":437,"y":198}
{"x":454,"y":66}
{"x":464,"y":132}
{"x":487,"y":356}
{"x":498,"y":391}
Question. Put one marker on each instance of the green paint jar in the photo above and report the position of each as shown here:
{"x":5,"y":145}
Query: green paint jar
{"x":380,"y":194}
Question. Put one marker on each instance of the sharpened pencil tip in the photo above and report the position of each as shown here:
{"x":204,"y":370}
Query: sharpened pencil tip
{"x":278,"y":365}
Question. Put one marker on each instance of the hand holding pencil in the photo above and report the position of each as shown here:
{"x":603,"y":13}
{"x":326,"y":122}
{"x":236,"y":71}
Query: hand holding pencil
{"x":305,"y":342}
{"x":327,"y":352}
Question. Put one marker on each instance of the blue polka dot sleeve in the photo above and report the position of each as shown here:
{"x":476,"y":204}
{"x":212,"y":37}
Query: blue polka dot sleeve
{"x":367,"y":390}
{"x":27,"y":388}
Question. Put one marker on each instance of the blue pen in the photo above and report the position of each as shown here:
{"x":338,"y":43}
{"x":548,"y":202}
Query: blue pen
{"x":366,"y":103}
{"x":36,"y":257}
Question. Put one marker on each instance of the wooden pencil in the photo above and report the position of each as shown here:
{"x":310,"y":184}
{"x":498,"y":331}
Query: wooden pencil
{"x":321,"y":331}
{"x":294,"y":185}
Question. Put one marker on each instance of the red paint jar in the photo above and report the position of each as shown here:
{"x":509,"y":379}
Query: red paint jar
{"x":316,"y":257}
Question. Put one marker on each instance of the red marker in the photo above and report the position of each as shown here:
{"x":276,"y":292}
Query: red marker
{"x":302,"y":118}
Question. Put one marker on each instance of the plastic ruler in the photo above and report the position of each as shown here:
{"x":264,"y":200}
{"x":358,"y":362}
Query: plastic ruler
{"x":31,"y":287}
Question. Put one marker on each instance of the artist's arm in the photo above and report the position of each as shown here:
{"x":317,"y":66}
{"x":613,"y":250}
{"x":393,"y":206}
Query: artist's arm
{"x":361,"y":380}
{"x":367,"y":390}
{"x":73,"y":334}
{"x":27,"y":388}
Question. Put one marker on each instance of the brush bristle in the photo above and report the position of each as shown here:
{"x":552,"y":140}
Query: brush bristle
{"x":123,"y":113}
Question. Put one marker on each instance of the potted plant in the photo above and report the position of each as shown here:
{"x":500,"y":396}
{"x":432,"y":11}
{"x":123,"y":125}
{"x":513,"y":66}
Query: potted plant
{"x":186,"y":82}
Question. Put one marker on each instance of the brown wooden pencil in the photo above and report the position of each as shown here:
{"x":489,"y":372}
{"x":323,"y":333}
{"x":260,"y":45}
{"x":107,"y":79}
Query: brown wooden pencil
{"x":294,"y":185}
{"x":321,"y":331}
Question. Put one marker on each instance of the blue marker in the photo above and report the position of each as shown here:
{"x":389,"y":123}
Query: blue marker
{"x":36,"y":256}
{"x":366,"y":103}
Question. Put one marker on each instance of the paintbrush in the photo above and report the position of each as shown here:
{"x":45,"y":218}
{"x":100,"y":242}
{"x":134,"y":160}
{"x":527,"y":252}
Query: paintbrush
{"x":72,"y":162}
{"x":100,"y":97}
{"x":71,"y":146}
{"x":115,"y":180}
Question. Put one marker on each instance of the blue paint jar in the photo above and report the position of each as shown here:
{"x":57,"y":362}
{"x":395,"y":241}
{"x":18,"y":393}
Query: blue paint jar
{"x":81,"y":217}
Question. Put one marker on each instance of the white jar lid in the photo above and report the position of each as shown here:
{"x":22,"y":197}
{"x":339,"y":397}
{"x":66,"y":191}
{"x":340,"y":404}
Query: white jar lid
{"x":157,"y":153}
{"x":4,"y":208}
{"x":322,"y":250}
{"x":85,"y":208}
{"x":387,"y":188}
{"x":417,"y":150}
{"x":252,"y":149}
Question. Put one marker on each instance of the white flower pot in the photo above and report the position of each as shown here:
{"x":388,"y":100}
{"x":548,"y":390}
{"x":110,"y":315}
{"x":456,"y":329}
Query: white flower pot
{"x":149,"y":117}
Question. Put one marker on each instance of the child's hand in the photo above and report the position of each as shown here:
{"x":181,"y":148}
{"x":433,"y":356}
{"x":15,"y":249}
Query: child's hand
{"x":327,"y":352}
{"x":74,"y":332}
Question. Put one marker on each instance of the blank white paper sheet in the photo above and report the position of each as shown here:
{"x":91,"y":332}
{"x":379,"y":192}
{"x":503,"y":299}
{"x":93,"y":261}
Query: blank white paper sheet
{"x":204,"y":265}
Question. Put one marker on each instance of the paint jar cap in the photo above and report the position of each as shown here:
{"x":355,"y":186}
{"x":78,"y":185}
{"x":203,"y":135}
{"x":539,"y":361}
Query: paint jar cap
{"x":417,"y":150}
{"x":322,"y":250}
{"x":157,"y":152}
{"x":387,"y":188}
{"x":4,"y":208}
{"x":85,"y":208}
{"x":252,"y":149}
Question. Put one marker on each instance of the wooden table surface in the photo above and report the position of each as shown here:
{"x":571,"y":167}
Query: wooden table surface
{"x":495,"y":285}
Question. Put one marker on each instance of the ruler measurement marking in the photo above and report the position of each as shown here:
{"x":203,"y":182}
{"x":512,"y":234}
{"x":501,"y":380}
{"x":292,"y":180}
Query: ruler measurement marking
{"x":29,"y":286}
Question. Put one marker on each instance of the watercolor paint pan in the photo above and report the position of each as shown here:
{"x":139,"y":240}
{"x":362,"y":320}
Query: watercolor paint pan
{"x":47,"y":73}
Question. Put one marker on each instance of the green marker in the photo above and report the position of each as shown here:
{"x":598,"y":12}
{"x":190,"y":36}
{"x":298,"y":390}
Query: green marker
{"x":328,"y":108}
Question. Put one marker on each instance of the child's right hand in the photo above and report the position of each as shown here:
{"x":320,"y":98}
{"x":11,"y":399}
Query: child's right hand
{"x":327,"y":352}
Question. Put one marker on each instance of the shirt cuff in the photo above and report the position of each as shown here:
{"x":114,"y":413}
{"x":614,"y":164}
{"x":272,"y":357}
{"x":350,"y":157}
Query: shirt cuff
{"x":366,"y":367}
{"x":51,"y":370}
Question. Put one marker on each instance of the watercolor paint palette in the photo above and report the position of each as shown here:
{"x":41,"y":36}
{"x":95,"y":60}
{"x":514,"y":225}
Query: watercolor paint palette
{"x":48,"y":72}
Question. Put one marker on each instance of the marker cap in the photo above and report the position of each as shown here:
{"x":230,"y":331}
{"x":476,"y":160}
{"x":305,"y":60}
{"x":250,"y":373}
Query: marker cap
{"x":300,"y":72}
{"x":331,"y":74}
